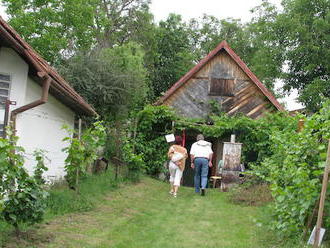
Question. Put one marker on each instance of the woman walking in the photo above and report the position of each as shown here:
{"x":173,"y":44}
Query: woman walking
{"x":177,"y":155}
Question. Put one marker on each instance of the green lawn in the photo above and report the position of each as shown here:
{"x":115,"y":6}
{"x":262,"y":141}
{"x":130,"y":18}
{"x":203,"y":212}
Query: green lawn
{"x":146,"y":216}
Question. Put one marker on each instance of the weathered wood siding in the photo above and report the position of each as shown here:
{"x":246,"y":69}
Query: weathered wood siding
{"x":193,"y":99}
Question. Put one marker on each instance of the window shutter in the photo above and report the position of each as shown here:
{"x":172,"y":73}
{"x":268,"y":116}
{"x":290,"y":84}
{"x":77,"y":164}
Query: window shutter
{"x":222,"y":87}
{"x":4,"y":95}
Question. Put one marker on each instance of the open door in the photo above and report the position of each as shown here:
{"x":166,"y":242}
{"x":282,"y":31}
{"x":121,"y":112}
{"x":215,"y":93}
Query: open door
{"x":189,"y":173}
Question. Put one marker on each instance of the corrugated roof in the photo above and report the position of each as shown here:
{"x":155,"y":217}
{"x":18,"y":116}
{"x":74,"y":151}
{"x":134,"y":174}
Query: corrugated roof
{"x":222,"y":46}
{"x":43,"y":68}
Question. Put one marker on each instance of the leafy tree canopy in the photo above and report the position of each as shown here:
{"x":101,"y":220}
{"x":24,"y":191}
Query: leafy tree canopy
{"x":291,"y":44}
{"x":173,"y":56}
{"x":307,"y":34}
{"x":57,"y":29}
{"x":112,"y":80}
{"x":297,"y":40}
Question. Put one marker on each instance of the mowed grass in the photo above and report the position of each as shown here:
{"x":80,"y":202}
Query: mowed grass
{"x":144,"y":215}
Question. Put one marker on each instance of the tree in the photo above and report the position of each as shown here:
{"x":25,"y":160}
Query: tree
{"x":173,"y":56}
{"x":307,"y":34}
{"x":297,"y":38}
{"x":120,"y":21}
{"x":58,"y":29}
{"x":268,"y":56}
{"x":208,"y":31}
{"x":113,"y":80}
{"x":53,"y":27}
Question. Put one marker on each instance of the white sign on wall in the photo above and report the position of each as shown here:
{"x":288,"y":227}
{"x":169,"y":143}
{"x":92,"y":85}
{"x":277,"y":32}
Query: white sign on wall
{"x":170,"y":138}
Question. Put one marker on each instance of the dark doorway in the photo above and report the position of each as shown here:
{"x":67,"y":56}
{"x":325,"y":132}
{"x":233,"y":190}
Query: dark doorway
{"x":188,"y":174}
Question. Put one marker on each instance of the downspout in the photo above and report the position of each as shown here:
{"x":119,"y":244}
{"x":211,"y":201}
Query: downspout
{"x":40,"y":72}
{"x":42,"y":100}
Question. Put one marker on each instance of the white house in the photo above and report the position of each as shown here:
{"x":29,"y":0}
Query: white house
{"x":37,"y":100}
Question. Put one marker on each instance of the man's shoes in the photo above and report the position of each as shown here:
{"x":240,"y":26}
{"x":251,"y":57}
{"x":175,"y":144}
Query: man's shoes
{"x":203,"y":192}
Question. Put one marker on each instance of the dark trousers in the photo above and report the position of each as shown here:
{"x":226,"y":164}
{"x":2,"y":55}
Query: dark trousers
{"x":201,"y":172}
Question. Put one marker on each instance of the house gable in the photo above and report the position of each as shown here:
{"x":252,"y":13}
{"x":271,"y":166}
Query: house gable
{"x":39,"y":69}
{"x":242,"y":92}
{"x":44,"y":102}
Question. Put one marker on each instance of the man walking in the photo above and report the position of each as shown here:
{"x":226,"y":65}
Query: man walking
{"x":201,"y":159}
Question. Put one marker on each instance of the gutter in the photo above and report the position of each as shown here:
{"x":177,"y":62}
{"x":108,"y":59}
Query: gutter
{"x":42,"y":100}
{"x":23,"y":50}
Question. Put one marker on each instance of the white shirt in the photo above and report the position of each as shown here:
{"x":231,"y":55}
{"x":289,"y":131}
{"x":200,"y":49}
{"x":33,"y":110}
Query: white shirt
{"x":201,"y":149}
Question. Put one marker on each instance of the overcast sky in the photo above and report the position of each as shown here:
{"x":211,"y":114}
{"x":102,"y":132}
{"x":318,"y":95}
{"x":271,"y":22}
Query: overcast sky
{"x":2,"y":11}
{"x":238,"y":9}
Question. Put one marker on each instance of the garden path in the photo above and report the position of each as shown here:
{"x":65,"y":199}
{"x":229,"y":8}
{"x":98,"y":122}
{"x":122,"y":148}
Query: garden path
{"x":146,"y":216}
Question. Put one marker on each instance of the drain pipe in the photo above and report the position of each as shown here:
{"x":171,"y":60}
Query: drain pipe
{"x":42,"y":100}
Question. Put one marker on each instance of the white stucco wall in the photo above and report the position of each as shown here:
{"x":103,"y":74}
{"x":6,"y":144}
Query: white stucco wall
{"x":40,"y":127}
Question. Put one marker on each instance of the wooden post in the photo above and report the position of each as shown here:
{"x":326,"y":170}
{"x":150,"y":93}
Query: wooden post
{"x":310,"y":218}
{"x":136,"y":121}
{"x":301,"y":124}
{"x":117,"y":141}
{"x":322,"y":199}
{"x":77,"y":172}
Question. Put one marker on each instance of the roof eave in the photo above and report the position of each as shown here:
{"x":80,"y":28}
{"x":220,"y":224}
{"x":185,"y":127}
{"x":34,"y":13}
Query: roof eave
{"x":42,"y":68}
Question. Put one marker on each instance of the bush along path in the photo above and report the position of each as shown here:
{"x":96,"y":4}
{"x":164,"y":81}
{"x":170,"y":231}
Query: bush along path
{"x":145,"y":215}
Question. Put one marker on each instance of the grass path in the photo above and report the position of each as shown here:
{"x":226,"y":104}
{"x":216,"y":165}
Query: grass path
{"x":146,"y":216}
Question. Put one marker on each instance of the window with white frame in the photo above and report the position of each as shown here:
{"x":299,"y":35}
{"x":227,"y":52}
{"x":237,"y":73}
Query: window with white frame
{"x":5,"y":81}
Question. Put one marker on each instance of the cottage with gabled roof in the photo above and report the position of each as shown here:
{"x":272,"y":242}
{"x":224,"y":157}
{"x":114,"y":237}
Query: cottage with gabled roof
{"x":37,"y":101}
{"x":222,"y":77}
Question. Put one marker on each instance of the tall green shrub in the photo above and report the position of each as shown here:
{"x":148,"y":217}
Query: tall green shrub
{"x":153,"y":124}
{"x":40,"y":167}
{"x":22,"y":197}
{"x":134,"y":162}
{"x":82,"y":152}
{"x":294,"y":171}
